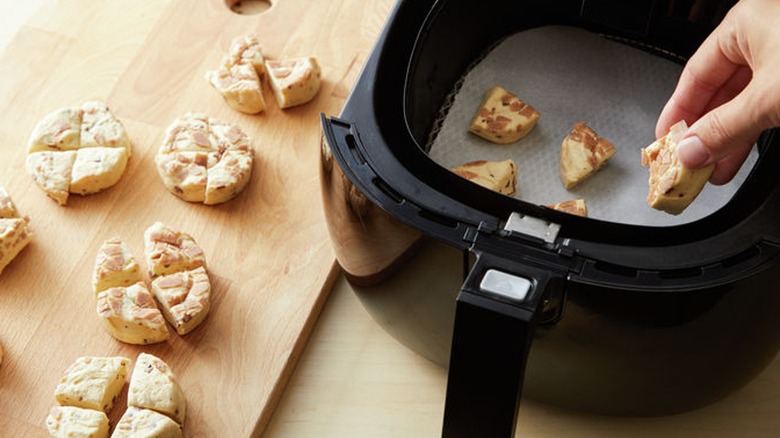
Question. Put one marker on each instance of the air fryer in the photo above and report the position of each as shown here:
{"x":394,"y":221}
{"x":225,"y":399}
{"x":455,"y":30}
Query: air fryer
{"x":629,"y":311}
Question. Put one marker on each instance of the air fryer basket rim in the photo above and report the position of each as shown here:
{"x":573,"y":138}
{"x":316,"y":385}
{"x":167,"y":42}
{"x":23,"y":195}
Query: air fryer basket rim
{"x":378,"y":116}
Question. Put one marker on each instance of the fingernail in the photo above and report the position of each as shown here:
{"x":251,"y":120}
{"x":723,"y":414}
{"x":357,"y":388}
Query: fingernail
{"x":693,"y":154}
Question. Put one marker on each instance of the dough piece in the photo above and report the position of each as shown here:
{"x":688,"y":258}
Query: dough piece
{"x":131,"y":316}
{"x":145,"y":423}
{"x":7,"y":207}
{"x":205,"y":159}
{"x":573,"y":206}
{"x":503,"y":118}
{"x":184,"y":297}
{"x":246,"y":50}
{"x":115,"y":266}
{"x":96,"y":169}
{"x":51,"y":171}
{"x":583,"y":152}
{"x":154,"y":386}
{"x":168,"y":251}
{"x":92,"y":382}
{"x":57,"y":131}
{"x":499,"y":176}
{"x":79,"y":150}
{"x":100,"y":128}
{"x":240,"y":86}
{"x":672,"y":187}
{"x":70,"y":422}
{"x":294,"y":81}
{"x":14,"y":236}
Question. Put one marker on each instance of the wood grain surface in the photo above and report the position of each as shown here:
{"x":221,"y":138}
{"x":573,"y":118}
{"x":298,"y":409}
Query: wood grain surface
{"x":268,"y":251}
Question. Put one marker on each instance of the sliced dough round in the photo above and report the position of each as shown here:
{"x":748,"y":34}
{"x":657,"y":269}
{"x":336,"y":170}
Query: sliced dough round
{"x":294,"y":81}
{"x":14,"y":236}
{"x":80,"y":150}
{"x":69,"y":422}
{"x":672,"y":186}
{"x":154,"y":386}
{"x":240,"y":77}
{"x":184,"y":297}
{"x":503,"y":118}
{"x":499,"y":176}
{"x":131,"y":316}
{"x":583,"y":153}
{"x":92,"y":382}
{"x":115,"y":266}
{"x":205,"y":159}
{"x":138,"y":423}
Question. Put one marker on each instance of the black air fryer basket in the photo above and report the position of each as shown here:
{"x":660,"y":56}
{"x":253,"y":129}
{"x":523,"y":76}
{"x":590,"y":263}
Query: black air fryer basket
{"x":515,"y":298}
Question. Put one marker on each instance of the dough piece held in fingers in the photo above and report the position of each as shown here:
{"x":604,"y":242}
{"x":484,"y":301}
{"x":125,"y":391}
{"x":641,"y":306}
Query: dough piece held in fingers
{"x":130,"y":315}
{"x":672,"y":186}
{"x":51,"y":171}
{"x":184,"y":297}
{"x":169,"y":251}
{"x":583,"y":152}
{"x":72,"y":422}
{"x":576,"y":207}
{"x":503,"y":118}
{"x":57,"y":131}
{"x":145,"y":423}
{"x":92,"y":382}
{"x":499,"y":176}
{"x":14,"y":237}
{"x":294,"y":81}
{"x":153,"y":385}
{"x":115,"y":266}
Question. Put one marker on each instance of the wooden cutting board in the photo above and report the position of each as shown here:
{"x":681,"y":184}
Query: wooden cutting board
{"x":268,"y":250}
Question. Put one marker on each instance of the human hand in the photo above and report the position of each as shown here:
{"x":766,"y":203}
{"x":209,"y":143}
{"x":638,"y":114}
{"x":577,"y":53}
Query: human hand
{"x":729,"y":91}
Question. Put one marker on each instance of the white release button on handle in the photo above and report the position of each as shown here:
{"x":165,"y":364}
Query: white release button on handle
{"x":505,"y":285}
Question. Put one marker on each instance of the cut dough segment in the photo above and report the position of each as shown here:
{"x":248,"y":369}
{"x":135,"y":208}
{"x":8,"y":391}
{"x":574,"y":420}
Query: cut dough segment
{"x":92,"y":382}
{"x":499,"y":176}
{"x":185,"y":298}
{"x":51,"y":171}
{"x":70,"y":422}
{"x":100,"y":128}
{"x":115,"y":266}
{"x":240,"y":86}
{"x":7,"y":207}
{"x":205,"y":159}
{"x":294,"y":81}
{"x":246,"y":50}
{"x":503,"y":118}
{"x":131,"y":316}
{"x":583,"y":152}
{"x":145,"y":423}
{"x":672,"y":187}
{"x":168,"y":251}
{"x":57,"y":131}
{"x":154,"y":386}
{"x":14,"y":236}
{"x":97,"y":168}
{"x":573,"y":206}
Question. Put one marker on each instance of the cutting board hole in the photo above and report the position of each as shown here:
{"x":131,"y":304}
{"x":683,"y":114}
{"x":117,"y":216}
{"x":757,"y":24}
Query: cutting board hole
{"x":248,"y":7}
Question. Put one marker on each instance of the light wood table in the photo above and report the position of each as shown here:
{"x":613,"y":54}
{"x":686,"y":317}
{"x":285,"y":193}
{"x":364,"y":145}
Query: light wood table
{"x":354,"y":380}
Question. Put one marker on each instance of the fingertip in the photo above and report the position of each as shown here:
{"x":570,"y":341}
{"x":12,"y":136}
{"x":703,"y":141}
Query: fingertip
{"x":693,"y":153}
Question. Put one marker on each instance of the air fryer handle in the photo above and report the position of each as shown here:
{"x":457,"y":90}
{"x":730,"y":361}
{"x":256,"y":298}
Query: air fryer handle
{"x":494,"y":324}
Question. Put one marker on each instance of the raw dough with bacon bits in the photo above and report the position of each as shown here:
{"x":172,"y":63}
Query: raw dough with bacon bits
{"x":583,"y":153}
{"x":294,"y":81}
{"x":576,"y":207}
{"x":81,"y":150}
{"x":204,"y":159}
{"x":503,"y":118}
{"x":239,"y":79}
{"x":14,"y":235}
{"x":672,"y":187}
{"x":499,"y":176}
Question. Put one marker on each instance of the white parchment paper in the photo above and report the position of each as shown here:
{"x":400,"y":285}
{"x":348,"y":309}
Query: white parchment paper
{"x":571,"y":74}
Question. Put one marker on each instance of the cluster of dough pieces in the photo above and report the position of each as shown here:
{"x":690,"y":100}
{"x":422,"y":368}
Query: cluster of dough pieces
{"x":179,"y":285}
{"x":90,"y":386}
{"x":243,"y":71}
{"x":503,"y":118}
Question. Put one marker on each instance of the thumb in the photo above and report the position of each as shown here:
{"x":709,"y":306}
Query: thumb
{"x":723,"y":130}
